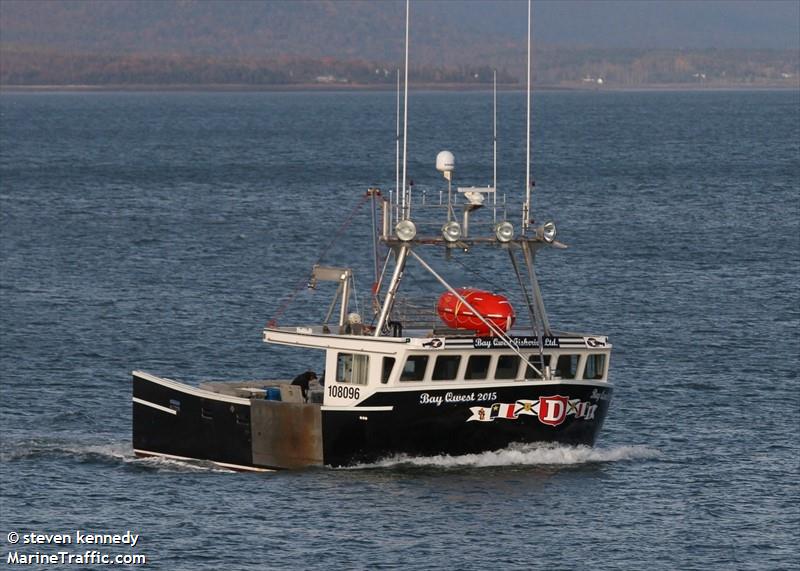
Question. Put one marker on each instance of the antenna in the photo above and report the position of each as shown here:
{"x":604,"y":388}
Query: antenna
{"x":406,"y":193}
{"x":397,"y":143}
{"x":526,"y":209}
{"x":494,"y":140}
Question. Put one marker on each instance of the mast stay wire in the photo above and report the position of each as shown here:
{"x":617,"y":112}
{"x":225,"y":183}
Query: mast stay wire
{"x":414,"y":281}
{"x":477,"y":273}
{"x":304,"y":283}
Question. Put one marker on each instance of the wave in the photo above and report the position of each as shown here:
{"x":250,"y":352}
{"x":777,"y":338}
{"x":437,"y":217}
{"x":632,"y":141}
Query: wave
{"x":522,"y":455}
{"x":110,"y":453}
{"x":516,"y":455}
{"x":174,"y":465}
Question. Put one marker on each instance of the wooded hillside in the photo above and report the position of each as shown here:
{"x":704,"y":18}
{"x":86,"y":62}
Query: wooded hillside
{"x":552,"y":67}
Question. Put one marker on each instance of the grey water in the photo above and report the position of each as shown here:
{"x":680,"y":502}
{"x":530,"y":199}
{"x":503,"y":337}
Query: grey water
{"x":161,"y":231}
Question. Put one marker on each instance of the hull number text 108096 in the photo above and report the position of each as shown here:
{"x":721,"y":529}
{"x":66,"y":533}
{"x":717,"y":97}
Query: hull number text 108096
{"x":343,"y":392}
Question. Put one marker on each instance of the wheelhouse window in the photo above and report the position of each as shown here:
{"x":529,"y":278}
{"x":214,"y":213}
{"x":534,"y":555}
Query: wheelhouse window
{"x":388,"y":367}
{"x":567,"y":366}
{"x":446,"y":367}
{"x":595,"y":366}
{"x":477,"y":367}
{"x":538,"y":361}
{"x":507,"y":367}
{"x":352,"y":368}
{"x":414,"y":368}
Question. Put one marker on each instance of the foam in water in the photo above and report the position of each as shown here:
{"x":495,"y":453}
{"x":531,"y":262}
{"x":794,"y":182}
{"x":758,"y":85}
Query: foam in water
{"x":515,"y":455}
{"x":523,"y":455}
{"x":173,"y":465}
{"x":116,"y":452}
{"x":122,"y":452}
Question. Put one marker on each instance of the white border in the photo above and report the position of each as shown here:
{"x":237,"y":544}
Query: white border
{"x":483,"y":385}
{"x":357,"y":408}
{"x":188,"y":389}
{"x":154,"y":405}
{"x":222,"y":464}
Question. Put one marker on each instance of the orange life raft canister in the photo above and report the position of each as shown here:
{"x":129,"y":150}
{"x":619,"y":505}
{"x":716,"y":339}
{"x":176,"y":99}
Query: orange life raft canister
{"x":493,"y":307}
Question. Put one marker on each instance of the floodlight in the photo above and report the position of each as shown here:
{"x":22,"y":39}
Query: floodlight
{"x":504,"y":231}
{"x":451,"y":231}
{"x":405,"y":230}
{"x":547,"y":231}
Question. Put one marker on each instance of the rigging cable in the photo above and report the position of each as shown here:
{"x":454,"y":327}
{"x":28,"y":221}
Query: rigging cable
{"x":305,"y":282}
{"x":469,"y":270}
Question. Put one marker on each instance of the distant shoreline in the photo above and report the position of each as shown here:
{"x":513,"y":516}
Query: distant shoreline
{"x":317,"y":87}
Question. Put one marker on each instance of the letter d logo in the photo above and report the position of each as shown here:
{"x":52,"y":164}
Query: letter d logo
{"x":553,"y":410}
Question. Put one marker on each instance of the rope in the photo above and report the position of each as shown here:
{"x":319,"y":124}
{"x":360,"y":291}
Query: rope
{"x":304,"y":283}
{"x":496,"y":286}
{"x":343,"y":227}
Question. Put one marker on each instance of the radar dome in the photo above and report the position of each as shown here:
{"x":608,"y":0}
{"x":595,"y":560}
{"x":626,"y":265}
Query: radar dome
{"x":445,"y":161}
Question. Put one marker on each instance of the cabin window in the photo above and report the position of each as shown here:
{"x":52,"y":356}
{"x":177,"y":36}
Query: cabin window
{"x":477,"y":367}
{"x":388,"y":366}
{"x":567,"y":366}
{"x":414,"y":368}
{"x":446,"y":367}
{"x":507,"y":367}
{"x":595,"y":366}
{"x":352,"y":368}
{"x":538,"y":361}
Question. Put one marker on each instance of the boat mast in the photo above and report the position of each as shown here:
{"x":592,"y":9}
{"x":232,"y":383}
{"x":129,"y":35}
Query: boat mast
{"x":494,"y":152}
{"x":401,"y":254}
{"x":397,"y":275}
{"x":406,"y":190}
{"x":527,"y":251}
{"x":526,"y":209}
{"x":397,"y":146}
{"x":537,"y":292}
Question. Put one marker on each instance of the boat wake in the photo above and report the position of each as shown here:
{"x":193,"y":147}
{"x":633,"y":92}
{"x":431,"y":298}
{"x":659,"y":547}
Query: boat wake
{"x":522,"y":455}
{"x":173,"y":465}
{"x":516,"y":455}
{"x":107,"y":453}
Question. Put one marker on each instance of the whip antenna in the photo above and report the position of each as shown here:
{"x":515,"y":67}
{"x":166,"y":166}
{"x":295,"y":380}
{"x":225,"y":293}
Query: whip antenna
{"x":494,"y":157}
{"x":406,"y":193}
{"x":397,"y":145}
{"x":526,"y":209}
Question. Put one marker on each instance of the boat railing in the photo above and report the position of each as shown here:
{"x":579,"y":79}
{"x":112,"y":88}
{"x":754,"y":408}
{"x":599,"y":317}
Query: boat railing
{"x":422,"y":315}
{"x":415,"y":315}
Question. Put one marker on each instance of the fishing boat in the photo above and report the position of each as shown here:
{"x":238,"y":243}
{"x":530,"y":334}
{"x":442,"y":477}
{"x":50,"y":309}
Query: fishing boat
{"x":465,"y":373}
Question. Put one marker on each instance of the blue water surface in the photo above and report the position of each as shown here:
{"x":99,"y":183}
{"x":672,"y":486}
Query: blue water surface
{"x":161,"y":231}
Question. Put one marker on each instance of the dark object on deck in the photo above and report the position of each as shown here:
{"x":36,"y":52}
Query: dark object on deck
{"x":303,"y":380}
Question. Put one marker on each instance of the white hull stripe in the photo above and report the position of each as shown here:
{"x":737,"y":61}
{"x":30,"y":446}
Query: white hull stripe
{"x":188,"y":389}
{"x":154,"y":405}
{"x":483,"y":385}
{"x":222,"y":464}
{"x":357,"y":408}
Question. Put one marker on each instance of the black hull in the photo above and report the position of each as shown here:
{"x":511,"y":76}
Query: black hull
{"x":200,"y":428}
{"x":428,"y":429}
{"x":232,"y":432}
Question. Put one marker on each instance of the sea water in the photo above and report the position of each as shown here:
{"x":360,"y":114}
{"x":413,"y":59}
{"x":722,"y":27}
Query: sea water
{"x":161,"y":231}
